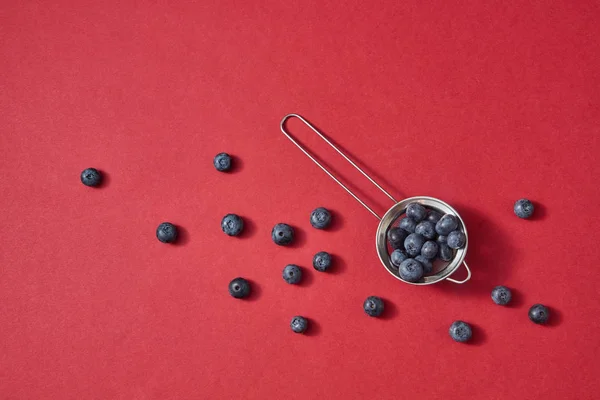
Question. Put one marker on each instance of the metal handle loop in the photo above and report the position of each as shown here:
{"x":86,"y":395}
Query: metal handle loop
{"x":287,"y":134}
{"x":464,"y":280}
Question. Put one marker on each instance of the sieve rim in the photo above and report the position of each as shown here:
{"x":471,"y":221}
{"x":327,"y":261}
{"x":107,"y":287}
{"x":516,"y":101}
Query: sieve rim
{"x":398,"y":209}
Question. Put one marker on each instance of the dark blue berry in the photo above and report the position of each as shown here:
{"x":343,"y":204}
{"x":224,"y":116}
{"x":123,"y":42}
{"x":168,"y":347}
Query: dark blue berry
{"x":457,"y":240}
{"x":416,"y":211}
{"x":426,"y":229}
{"x":523,"y":208}
{"x":460,"y":331}
{"x":222,"y":162}
{"x":442,"y":239}
{"x":299,"y":324}
{"x":408,"y":224}
{"x":292,"y":274}
{"x":91,"y":177}
{"x":445,"y":253}
{"x":426,"y":263}
{"x":413,"y":244}
{"x":446,"y":224}
{"x":430,"y":249}
{"x":397,"y":257}
{"x":166,"y":232}
{"x":320,"y":218}
{"x":501,"y":295}
{"x":433,"y":216}
{"x":232,"y":224}
{"x":322,"y":261}
{"x":282,"y":234}
{"x":539,"y":314}
{"x":396,"y":237}
{"x":411,"y":270}
{"x":373,"y":306}
{"x":239,"y":288}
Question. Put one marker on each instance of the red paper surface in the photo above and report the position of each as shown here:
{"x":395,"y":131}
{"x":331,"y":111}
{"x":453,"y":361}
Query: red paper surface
{"x":476,"y":103}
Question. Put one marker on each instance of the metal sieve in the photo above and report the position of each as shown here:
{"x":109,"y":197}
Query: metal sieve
{"x":441,"y":271}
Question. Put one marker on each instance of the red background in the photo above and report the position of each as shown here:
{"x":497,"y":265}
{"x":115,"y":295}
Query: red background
{"x":477,"y":104}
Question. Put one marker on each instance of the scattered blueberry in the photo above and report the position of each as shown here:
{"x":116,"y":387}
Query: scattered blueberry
{"x":413,"y":244}
{"x":282,"y":234}
{"x":397,"y":257}
{"x":222,"y":162}
{"x":426,"y":263}
{"x":539,"y":314}
{"x":320,"y":218}
{"x":426,"y":229}
{"x":460,"y":331}
{"x":408,"y":224}
{"x":166,"y":232}
{"x":91,"y":177}
{"x":292,"y":274}
{"x":299,"y":324}
{"x":239,"y":288}
{"x":457,"y":240}
{"x":373,"y":306}
{"x":523,"y":208}
{"x":430,"y":249}
{"x":322,"y":261}
{"x":232,"y":224}
{"x":501,"y":295}
{"x":416,"y":211}
{"x":442,"y":239}
{"x":446,"y":224}
{"x":433,"y":216}
{"x":411,"y":270}
{"x":445,"y":253}
{"x":396,"y":237}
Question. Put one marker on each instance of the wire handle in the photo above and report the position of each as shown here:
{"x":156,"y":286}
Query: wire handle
{"x":315,"y":130}
{"x":464,"y":280}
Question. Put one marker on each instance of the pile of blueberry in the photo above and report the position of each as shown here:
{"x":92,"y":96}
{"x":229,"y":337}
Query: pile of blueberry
{"x":422,"y":236}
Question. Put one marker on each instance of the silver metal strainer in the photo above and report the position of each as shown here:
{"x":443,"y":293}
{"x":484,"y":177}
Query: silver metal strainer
{"x":393,"y":215}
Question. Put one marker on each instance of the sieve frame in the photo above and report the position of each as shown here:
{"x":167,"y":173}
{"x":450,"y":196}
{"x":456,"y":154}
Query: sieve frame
{"x":392,"y":214}
{"x":398,"y":210}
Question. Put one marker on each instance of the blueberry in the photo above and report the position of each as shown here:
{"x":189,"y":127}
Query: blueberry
{"x":282,"y":234}
{"x":445,"y":253}
{"x":396,"y":237}
{"x":460,"y":331}
{"x":91,"y":177}
{"x":411,"y":270}
{"x":426,"y":263}
{"x":232,"y":224}
{"x":426,"y":229}
{"x":397,"y":257}
{"x":501,"y":295}
{"x":322,"y":261}
{"x":320,"y":218}
{"x":416,"y":211}
{"x":442,"y":239}
{"x":430,"y":249}
{"x":292,"y":274}
{"x":433,"y":216}
{"x":222,"y":162}
{"x":413,"y":244}
{"x":539,"y":314}
{"x":166,"y":232}
{"x":373,"y":306}
{"x":446,"y":224}
{"x":457,"y":240}
{"x":299,"y":324}
{"x":523,"y":208}
{"x":239,"y":288}
{"x":408,"y":224}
